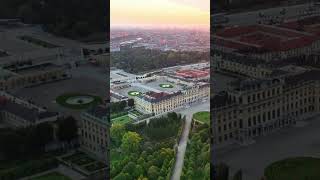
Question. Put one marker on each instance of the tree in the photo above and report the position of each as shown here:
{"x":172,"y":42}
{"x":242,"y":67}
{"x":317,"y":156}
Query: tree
{"x":116,"y":132}
{"x":138,"y":171}
{"x":129,"y":168}
{"x":142,"y":178}
{"x":118,"y":106}
{"x":131,"y":142}
{"x":67,"y":129}
{"x":122,"y":176}
{"x":130,"y":102}
{"x":44,"y":133}
{"x":173,"y":115}
{"x":153,"y":172}
{"x":11,"y":145}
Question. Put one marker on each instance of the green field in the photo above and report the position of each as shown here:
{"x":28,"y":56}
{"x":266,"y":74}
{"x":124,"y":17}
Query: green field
{"x":300,"y":168}
{"x":203,"y":116}
{"x":121,"y":120}
{"x":52,"y":176}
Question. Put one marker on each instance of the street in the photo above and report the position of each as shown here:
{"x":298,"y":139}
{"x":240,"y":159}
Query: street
{"x":188,"y":112}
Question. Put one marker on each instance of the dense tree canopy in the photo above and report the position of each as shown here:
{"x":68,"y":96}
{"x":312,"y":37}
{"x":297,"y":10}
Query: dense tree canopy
{"x":131,"y":142}
{"x":141,"y":153}
{"x":142,"y":60}
{"x":67,"y":129}
{"x":197,"y":159}
{"x":71,"y":18}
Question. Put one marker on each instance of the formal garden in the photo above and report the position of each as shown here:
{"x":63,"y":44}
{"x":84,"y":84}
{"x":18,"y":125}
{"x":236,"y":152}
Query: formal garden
{"x":83,"y":161}
{"x":119,"y":113}
{"x":298,"y":168}
{"x":145,"y":150}
{"x":24,"y":150}
{"x":78,"y":100}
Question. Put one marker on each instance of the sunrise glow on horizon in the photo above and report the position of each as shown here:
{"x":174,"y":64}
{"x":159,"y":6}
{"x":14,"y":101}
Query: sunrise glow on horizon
{"x":160,"y":13}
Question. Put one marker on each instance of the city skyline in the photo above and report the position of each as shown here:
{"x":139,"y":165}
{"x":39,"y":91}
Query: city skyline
{"x":160,"y":14}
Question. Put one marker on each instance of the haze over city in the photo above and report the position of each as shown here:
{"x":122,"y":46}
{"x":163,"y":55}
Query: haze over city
{"x":160,"y":14}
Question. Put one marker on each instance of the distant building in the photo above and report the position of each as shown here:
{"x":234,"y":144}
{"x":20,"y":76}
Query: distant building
{"x":19,"y":77}
{"x":94,"y":132}
{"x":17,"y":113}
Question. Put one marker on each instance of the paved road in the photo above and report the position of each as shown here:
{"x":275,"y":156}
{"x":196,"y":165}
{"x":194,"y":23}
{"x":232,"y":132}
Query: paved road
{"x":302,"y":140}
{"x":184,"y":139}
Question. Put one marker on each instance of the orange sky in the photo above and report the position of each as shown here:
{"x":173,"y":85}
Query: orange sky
{"x":160,"y":12}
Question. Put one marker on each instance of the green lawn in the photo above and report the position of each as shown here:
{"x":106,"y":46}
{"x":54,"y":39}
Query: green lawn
{"x":121,"y":120}
{"x":300,"y":168}
{"x":203,"y":116}
{"x":52,"y":176}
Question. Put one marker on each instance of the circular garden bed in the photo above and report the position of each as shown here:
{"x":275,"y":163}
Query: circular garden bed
{"x":134,"y":93}
{"x":77,"y":100}
{"x":166,"y":85}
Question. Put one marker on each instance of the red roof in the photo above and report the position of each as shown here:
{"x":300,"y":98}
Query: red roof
{"x":309,"y":24}
{"x":156,"y":95}
{"x":265,"y":38}
{"x":192,"y":73}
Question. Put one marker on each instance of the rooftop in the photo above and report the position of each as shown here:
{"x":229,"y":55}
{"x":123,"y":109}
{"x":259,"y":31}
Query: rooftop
{"x":263,"y":38}
{"x":29,"y":114}
{"x":308,"y":24}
